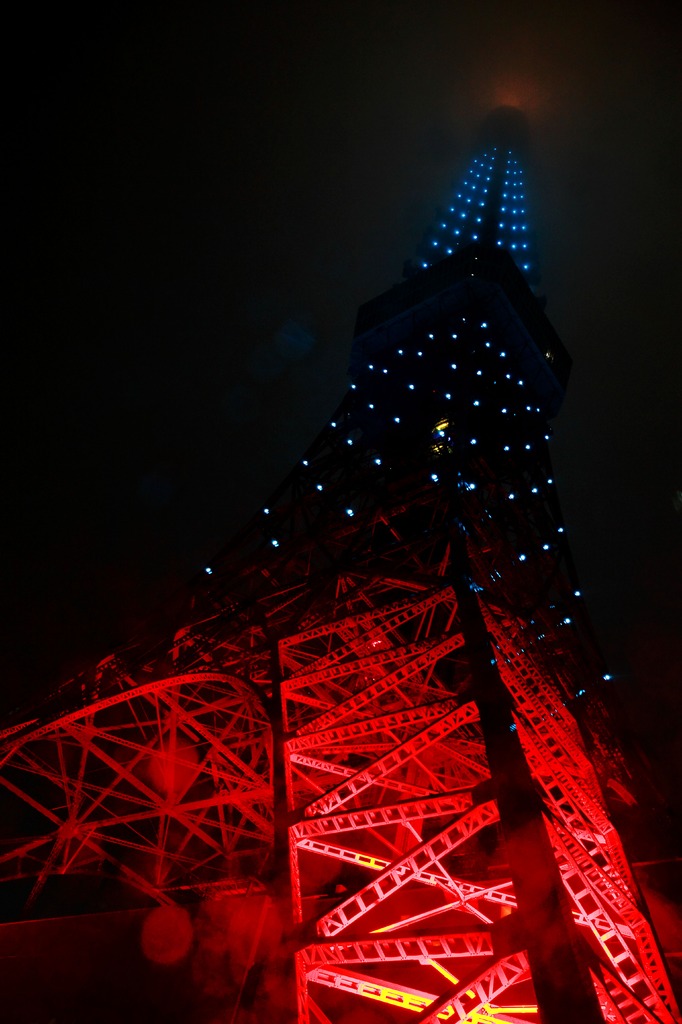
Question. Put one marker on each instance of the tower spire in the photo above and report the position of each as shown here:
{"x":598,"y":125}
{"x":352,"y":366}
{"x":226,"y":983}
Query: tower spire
{"x":488,"y":205}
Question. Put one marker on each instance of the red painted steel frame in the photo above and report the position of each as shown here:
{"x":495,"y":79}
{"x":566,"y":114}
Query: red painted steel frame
{"x":321,"y":729}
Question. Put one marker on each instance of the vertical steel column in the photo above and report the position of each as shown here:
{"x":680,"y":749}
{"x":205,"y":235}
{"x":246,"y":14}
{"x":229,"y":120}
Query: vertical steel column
{"x":277,"y":984}
{"x":543,"y":924}
{"x":283,"y":994}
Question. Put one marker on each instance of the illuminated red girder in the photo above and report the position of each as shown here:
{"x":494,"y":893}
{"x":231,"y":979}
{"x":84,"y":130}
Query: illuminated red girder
{"x":377,"y":708}
{"x":466,"y":1000}
{"x":425,"y":947}
{"x":156,"y":768}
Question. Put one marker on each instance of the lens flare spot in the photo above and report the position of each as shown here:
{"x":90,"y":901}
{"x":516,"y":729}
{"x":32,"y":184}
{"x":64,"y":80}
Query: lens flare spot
{"x":171,"y":768}
{"x":167,"y":935}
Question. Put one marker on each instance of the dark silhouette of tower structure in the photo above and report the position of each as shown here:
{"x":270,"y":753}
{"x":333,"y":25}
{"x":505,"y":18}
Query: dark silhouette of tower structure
{"x":382,"y":717}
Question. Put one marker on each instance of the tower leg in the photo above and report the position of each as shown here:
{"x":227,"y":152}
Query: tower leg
{"x":542,"y":924}
{"x":283,"y":995}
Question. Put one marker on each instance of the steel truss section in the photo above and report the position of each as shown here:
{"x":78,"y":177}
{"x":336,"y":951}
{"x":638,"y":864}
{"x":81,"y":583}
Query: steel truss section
{"x":380,"y":692}
{"x":420,"y":948}
{"x":468,"y":1000}
{"x":176,"y":770}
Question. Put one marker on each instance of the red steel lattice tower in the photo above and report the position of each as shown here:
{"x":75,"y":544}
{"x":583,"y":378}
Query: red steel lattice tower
{"x":383,"y":716}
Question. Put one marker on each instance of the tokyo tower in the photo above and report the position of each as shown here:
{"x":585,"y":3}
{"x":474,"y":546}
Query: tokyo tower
{"x":381,"y":718}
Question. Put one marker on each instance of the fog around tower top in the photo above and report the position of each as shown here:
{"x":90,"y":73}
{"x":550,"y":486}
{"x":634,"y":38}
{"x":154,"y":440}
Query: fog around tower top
{"x":506,"y":127}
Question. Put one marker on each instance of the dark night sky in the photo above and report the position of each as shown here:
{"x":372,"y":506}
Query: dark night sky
{"x":193,"y":181}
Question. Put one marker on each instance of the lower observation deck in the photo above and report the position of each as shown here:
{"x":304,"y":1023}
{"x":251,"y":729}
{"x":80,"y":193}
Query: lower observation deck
{"x":477,"y":272}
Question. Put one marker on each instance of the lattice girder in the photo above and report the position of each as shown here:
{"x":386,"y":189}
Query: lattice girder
{"x":324,"y":698}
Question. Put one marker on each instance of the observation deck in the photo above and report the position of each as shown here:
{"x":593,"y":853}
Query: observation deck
{"x":476,"y":273}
